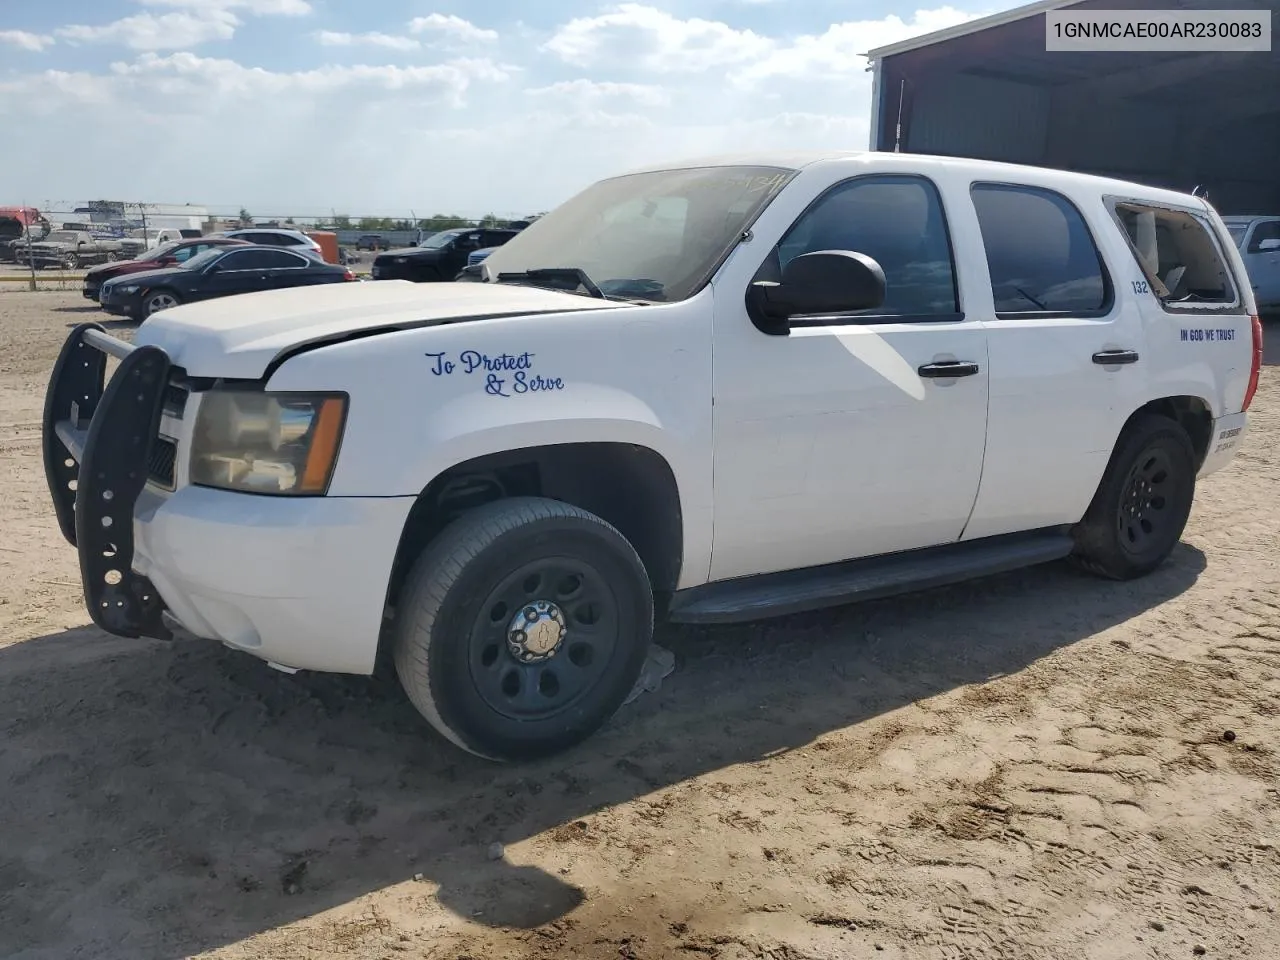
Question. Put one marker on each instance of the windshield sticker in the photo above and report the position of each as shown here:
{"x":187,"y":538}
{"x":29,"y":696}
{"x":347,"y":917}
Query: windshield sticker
{"x":522,"y":378}
{"x":1209,"y":334}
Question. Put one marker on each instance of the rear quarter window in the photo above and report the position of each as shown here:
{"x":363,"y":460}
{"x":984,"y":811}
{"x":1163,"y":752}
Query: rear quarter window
{"x":1178,"y":254}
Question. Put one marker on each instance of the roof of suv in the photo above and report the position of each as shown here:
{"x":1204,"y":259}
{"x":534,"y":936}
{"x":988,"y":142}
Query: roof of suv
{"x":913,"y":162}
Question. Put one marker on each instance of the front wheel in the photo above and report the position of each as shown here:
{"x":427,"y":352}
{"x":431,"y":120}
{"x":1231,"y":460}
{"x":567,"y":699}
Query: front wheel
{"x":522,"y":628}
{"x":1142,"y":505}
{"x":70,"y":262}
{"x":158,"y":300}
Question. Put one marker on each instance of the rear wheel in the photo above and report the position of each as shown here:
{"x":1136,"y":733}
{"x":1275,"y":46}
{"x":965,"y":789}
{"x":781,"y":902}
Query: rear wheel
{"x":522,"y":628}
{"x":1142,"y":505}
{"x":158,"y":300}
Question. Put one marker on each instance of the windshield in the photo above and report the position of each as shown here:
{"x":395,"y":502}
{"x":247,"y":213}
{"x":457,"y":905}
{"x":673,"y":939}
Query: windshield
{"x":62,"y":236}
{"x":1237,"y":231}
{"x":647,"y":236}
{"x":203,"y":259}
{"x":158,"y":252}
{"x":438,"y":240}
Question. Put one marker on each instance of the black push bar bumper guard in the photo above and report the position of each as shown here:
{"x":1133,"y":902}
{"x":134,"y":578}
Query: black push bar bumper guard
{"x":97,"y":437}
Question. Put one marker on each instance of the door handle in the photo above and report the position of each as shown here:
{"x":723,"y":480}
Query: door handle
{"x":945,"y":369}
{"x":1109,"y":357}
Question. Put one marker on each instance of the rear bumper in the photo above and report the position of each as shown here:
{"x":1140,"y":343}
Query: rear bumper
{"x":1228,"y":435}
{"x":297,"y":581}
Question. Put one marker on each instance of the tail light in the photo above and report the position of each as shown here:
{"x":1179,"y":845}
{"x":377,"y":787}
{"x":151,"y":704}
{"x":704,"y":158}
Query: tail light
{"x":1256,"y":367}
{"x":348,"y":275}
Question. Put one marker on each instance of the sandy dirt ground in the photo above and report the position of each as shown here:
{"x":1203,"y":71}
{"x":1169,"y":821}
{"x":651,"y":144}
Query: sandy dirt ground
{"x":1039,"y":765}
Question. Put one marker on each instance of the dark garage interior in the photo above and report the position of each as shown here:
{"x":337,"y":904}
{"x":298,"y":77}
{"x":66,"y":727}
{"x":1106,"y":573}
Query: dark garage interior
{"x":989,"y":89}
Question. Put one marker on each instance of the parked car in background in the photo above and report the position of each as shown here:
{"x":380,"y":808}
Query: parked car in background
{"x":472,"y":270}
{"x":72,"y":249}
{"x":217,"y":272}
{"x":439,"y":258}
{"x":372,"y":241}
{"x":1259,"y":241}
{"x":167,"y":255}
{"x":294,"y":240}
{"x":135,"y":244}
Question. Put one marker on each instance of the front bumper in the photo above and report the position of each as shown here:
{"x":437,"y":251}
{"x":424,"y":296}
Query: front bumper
{"x":298,"y":581}
{"x":117,"y":303}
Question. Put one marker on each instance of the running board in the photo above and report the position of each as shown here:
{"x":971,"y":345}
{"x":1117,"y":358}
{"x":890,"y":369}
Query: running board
{"x":794,"y":591}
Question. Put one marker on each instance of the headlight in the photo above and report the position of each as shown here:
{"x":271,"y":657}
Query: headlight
{"x":131,"y":288}
{"x":267,"y":442}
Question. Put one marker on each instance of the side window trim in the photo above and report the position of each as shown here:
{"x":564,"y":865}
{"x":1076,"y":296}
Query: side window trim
{"x":1109,"y":300}
{"x":1177,"y":309}
{"x":865,"y":319}
{"x":297,"y":262}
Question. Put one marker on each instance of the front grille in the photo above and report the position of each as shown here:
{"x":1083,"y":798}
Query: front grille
{"x":163,"y":456}
{"x":161,"y":460}
{"x":175,"y":401}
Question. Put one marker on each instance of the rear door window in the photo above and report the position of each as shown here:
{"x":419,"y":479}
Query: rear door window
{"x":1040,"y":253}
{"x":1178,"y":255}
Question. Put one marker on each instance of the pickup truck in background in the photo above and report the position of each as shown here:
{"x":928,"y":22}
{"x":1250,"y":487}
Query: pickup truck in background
{"x":72,"y":249}
{"x":18,"y":227}
{"x":1259,"y":241}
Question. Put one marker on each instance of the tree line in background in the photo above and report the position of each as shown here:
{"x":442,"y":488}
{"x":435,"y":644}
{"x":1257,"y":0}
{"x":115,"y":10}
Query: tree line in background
{"x":439,"y":221}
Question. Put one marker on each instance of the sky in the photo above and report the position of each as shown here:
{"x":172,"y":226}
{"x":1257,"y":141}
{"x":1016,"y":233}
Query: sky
{"x":391,"y":107}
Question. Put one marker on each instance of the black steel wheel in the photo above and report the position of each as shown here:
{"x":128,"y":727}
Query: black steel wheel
{"x":1146,"y":505}
{"x":521,"y":629}
{"x":1143,"y":502}
{"x":542,"y":638}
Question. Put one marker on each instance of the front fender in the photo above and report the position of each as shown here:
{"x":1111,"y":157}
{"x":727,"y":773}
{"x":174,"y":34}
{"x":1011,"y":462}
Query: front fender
{"x":620,"y":375}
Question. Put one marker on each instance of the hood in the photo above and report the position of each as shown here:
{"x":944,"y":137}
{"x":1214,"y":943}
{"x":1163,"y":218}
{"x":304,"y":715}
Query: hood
{"x":411,"y":252}
{"x":239,"y":337}
{"x":51,"y":245}
{"x":134,"y":276}
{"x":130,"y":267}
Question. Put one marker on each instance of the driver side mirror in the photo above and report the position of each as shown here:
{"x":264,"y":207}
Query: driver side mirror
{"x":1269,"y":246}
{"x":823,"y":282}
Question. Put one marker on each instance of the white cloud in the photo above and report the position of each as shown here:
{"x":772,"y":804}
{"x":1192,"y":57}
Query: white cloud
{"x":329,"y":38}
{"x":34,"y":42}
{"x":839,"y":51}
{"x":259,"y":8}
{"x":169,"y":31}
{"x":585,"y":92}
{"x":450,"y":27}
{"x":184,"y":71}
{"x":655,"y":40}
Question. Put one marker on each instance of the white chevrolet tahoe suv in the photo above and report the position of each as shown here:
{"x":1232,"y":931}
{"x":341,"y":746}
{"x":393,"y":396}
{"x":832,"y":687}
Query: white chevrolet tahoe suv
{"x":708,"y":392}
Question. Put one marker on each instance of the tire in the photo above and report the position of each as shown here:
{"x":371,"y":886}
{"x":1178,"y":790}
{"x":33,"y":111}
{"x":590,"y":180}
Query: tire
{"x":71,"y":262}
{"x":453,"y":642}
{"x":1142,"y":504}
{"x":112,"y":256}
{"x":158,"y":300}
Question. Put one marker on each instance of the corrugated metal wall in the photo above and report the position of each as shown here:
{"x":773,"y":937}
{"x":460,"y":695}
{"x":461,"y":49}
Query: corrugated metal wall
{"x":981,"y":117}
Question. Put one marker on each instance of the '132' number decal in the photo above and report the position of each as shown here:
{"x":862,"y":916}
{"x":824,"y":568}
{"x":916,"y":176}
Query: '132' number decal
{"x":1140,"y":286}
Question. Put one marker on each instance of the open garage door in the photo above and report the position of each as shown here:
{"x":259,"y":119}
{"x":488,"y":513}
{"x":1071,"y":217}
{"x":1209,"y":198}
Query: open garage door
{"x":989,"y":89}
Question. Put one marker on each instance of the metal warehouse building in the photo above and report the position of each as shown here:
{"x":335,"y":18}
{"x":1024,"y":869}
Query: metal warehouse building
{"x":989,"y":89}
